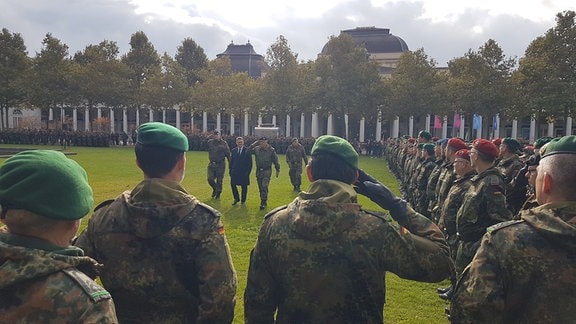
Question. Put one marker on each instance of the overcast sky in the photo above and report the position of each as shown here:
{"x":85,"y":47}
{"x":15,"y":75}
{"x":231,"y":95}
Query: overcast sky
{"x":445,"y":29}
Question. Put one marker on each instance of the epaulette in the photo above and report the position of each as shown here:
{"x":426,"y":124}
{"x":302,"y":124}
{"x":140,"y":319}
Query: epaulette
{"x":104,"y":204}
{"x":498,"y":226}
{"x":274,"y":211}
{"x":210,"y":209}
{"x":383,"y":216}
{"x":90,"y":287}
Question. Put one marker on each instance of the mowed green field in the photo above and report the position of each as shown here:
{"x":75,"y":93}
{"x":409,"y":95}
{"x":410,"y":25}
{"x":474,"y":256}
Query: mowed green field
{"x":113,"y":170}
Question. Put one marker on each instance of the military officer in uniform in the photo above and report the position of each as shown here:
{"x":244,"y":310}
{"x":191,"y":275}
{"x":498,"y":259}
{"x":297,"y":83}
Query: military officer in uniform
{"x":265,"y":156}
{"x":44,"y":196}
{"x":218,"y":153}
{"x":525,"y":270}
{"x":295,"y":155}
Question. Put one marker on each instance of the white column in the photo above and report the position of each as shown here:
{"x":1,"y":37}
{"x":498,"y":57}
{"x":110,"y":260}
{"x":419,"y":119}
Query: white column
{"x":330,"y":125}
{"x":259,"y":119}
{"x":550,"y":129}
{"x":178,"y":124}
{"x":112,"y":120}
{"x":302,"y":125}
{"x":462,"y":126}
{"x":532,"y":129}
{"x":246,"y":124}
{"x":219,"y":122}
{"x":411,"y":125}
{"x":75,"y":119}
{"x":479,"y":130}
{"x":232,"y":122}
{"x":99,"y":113}
{"x":378,"y":135}
{"x":274,"y":120}
{"x":568,"y":130}
{"x":287,"y":132}
{"x":50,"y":114}
{"x":86,"y":119}
{"x":497,"y":129}
{"x":124,"y":120}
{"x":62,"y":117}
{"x":445,"y":127}
{"x":137,"y":117}
{"x":164,"y":115}
{"x":150,"y":115}
{"x":362,"y":129}
{"x":204,"y":122}
{"x":427,"y":127}
{"x":314,"y":125}
{"x":191,"y":122}
{"x":396,"y":127}
{"x":515,"y":128}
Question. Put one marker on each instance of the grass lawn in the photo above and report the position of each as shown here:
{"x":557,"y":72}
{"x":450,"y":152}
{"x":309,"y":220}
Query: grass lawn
{"x":113,"y":170}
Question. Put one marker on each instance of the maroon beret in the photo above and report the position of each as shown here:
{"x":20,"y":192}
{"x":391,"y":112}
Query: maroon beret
{"x":462,"y":154}
{"x":497,"y":141}
{"x":457,"y":144}
{"x":486,"y":147}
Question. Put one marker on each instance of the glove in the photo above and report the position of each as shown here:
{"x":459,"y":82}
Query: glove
{"x":277,"y":173}
{"x":380,"y":194}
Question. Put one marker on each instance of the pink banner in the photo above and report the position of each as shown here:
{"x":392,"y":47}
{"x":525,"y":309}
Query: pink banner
{"x":456,"y":120}
{"x":437,"y":122}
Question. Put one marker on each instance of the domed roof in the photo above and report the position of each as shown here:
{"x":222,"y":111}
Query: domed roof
{"x":376,"y":40}
{"x":244,"y":59}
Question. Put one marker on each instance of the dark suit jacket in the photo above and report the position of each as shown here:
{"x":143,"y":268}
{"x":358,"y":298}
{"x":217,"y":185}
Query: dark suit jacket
{"x":240,"y":166}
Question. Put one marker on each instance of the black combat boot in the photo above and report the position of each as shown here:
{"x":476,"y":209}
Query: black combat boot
{"x":262,"y":204}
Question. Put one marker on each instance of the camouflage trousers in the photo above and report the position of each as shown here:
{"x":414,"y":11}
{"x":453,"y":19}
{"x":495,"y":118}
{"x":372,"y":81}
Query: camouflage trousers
{"x":216,"y":175}
{"x":295,"y":174}
{"x":263,"y":179}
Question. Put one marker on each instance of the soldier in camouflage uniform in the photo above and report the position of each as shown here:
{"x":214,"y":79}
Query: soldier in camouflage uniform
{"x":427,"y":166}
{"x":165,"y":256}
{"x":265,"y":157}
{"x":295,"y":154}
{"x":525,"y":270}
{"x":484,"y":203}
{"x":509,"y":166}
{"x":323,"y":259}
{"x":44,"y":196}
{"x":218,"y":153}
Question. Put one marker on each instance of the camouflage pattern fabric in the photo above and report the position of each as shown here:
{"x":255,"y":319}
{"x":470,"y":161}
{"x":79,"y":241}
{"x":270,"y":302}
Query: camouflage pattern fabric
{"x":295,"y":154}
{"x":218,"y":152}
{"x":41,"y":283}
{"x":322,"y":259}
{"x":445,"y":180}
{"x":515,"y":195}
{"x":165,"y":256}
{"x":421,"y":186}
{"x":265,"y":158}
{"x":484,"y":205}
{"x":524,"y":271}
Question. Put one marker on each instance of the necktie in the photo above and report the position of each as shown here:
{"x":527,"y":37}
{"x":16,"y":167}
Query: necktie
{"x":240,"y":151}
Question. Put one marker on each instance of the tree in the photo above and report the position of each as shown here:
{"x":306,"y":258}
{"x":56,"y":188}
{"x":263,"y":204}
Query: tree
{"x":48,"y":82}
{"x":13,"y":66}
{"x":349,"y":82}
{"x":166,"y":85}
{"x":192,"y":58}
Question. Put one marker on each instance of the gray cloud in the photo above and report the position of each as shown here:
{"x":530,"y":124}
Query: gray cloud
{"x":79,"y":23}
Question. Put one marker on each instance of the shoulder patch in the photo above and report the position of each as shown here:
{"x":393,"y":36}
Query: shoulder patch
{"x":383,"y":216}
{"x":90,"y":287}
{"x":210,"y":209}
{"x":104,"y":204}
{"x":498,"y":226}
{"x":275,"y":210}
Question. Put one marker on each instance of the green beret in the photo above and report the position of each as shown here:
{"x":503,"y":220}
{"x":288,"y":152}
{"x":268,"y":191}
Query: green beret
{"x":46,"y":183}
{"x":512,"y":143}
{"x":541,"y":141}
{"x":425,"y":134}
{"x":337,"y":146}
{"x":420,"y":145}
{"x":429,"y":147}
{"x":561,"y":145}
{"x":164,"y":135}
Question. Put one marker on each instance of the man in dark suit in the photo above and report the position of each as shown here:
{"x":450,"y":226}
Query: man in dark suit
{"x":240,"y":168}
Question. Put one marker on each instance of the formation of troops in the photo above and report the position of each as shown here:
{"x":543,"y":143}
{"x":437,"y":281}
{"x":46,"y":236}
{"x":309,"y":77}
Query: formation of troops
{"x":496,"y":217}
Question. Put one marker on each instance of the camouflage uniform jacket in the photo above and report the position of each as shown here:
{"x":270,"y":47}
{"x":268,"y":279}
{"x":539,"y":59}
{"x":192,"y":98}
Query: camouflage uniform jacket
{"x":218,"y":150}
{"x":484,"y":205}
{"x":453,"y":202}
{"x":524,"y":271}
{"x":322,"y":259}
{"x":165,"y":256}
{"x":295,"y":155}
{"x":510,"y":167}
{"x":41,"y":283}
{"x":265,"y":157}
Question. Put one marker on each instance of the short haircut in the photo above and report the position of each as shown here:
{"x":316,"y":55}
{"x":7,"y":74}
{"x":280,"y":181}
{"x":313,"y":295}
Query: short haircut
{"x":485,"y":157}
{"x":560,"y":167}
{"x":331,"y":167}
{"x":156,"y":161}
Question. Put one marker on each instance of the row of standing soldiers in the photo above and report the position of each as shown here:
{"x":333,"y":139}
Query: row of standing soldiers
{"x":463,"y":187}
